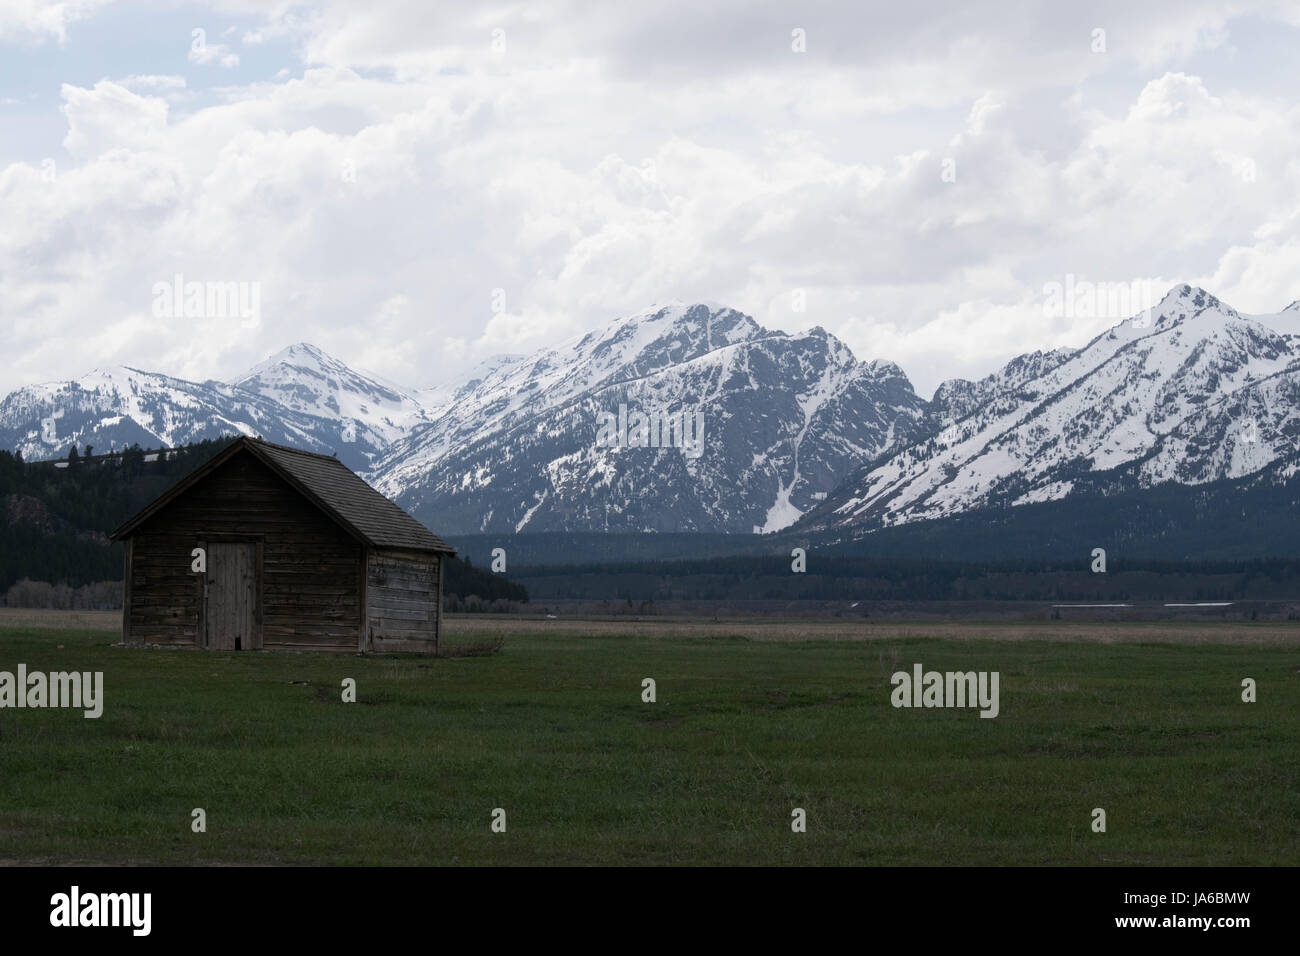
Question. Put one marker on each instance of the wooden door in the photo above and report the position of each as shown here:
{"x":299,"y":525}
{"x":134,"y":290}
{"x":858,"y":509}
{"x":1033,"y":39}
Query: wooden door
{"x":230,"y":598}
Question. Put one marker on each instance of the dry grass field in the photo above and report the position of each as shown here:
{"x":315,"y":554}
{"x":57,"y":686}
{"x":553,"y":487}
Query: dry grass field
{"x":805,"y":629}
{"x":18,"y":617}
{"x":473,"y":627}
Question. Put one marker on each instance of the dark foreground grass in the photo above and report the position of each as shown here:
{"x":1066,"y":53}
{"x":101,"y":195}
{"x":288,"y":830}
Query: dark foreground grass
{"x":554,"y":731}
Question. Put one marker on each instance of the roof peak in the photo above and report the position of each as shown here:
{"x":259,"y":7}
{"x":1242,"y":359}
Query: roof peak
{"x":333,"y":487}
{"x":289,"y":448}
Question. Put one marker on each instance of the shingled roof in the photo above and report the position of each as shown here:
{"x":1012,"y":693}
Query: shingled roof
{"x":327,"y":483}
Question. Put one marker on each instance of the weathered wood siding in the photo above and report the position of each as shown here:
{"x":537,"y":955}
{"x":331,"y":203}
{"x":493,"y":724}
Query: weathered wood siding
{"x":310,"y":574}
{"x":231,"y":603}
{"x":402,"y":605}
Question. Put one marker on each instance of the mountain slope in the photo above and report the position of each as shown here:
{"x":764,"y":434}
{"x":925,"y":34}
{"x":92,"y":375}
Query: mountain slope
{"x":300,"y":397}
{"x":358,"y":414}
{"x":1200,"y":394}
{"x":784,"y":418}
{"x":115,"y":407}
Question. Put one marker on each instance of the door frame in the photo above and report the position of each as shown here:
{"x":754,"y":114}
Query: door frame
{"x":219,"y":537}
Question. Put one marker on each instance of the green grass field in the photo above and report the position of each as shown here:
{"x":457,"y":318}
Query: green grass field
{"x":1145,"y":721}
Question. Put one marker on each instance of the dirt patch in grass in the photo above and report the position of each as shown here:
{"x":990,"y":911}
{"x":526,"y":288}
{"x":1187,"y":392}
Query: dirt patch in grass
{"x":482,"y":648}
{"x":663,"y":722}
{"x":783,"y":700}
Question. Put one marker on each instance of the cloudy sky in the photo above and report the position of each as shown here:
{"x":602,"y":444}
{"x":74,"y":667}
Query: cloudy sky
{"x":416,"y":186}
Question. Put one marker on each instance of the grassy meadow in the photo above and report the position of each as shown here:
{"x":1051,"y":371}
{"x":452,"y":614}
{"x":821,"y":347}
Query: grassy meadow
{"x":752,"y":720}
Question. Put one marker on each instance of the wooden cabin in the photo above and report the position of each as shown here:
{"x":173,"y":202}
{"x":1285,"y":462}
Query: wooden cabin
{"x":300,"y":554}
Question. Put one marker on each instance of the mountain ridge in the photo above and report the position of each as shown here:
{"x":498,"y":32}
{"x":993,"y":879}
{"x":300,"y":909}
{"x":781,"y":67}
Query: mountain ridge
{"x":796,"y":430}
{"x":1131,"y":396}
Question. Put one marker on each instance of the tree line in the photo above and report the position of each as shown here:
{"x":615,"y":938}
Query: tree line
{"x":829,"y":577}
{"x":54,"y":546}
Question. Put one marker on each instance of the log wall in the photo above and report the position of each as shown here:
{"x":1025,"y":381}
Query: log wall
{"x":403,"y":601}
{"x":312,"y":569}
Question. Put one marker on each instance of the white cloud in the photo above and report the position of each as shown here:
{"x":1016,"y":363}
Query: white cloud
{"x":37,"y":21}
{"x":153,"y":82}
{"x":109,"y":117}
{"x":204,"y":53}
{"x":382,"y":189}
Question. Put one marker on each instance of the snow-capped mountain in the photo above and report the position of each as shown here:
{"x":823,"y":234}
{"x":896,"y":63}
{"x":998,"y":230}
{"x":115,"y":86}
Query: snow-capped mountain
{"x":299,"y":397}
{"x":113,"y":407}
{"x":760,"y":429}
{"x":357,"y":414}
{"x":761,"y":425}
{"x":1194,"y":393}
{"x":781,"y":420}
{"x":438,"y":399}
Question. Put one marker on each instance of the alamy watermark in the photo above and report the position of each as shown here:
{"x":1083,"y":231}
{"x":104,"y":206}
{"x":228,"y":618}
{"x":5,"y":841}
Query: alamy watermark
{"x":654,"y":429}
{"x":1082,"y":299}
{"x":178,"y":299}
{"x":75,"y":909}
{"x":923,"y":688}
{"x":80,"y":691}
